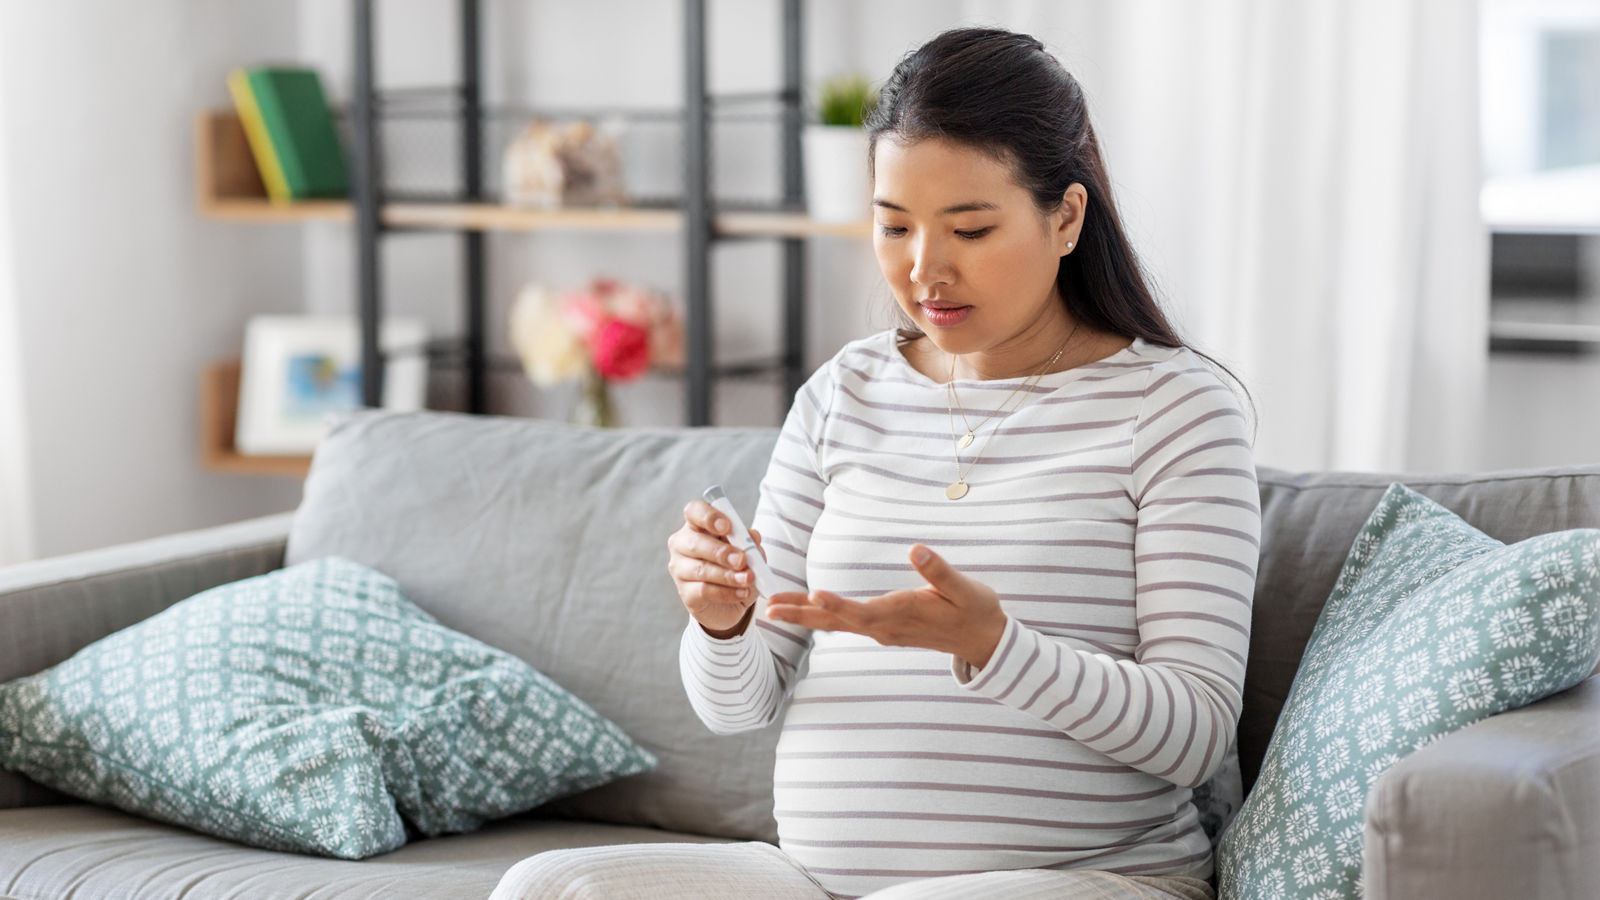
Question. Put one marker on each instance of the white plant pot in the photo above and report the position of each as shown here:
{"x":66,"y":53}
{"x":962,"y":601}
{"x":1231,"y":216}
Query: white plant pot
{"x":835,"y":161}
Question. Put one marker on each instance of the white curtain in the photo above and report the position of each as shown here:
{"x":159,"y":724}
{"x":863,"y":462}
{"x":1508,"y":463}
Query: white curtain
{"x":1301,"y":179}
{"x":16,"y":538}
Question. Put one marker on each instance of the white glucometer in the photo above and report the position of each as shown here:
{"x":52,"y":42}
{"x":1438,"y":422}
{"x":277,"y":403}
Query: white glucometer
{"x":765,"y":583}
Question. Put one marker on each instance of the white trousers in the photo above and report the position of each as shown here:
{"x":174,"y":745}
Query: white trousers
{"x":760,"y":870}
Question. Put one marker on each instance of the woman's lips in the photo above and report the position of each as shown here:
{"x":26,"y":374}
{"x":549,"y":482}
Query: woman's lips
{"x":945,"y":315}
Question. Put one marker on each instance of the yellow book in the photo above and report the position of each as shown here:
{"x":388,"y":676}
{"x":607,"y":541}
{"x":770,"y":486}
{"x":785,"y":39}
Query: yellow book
{"x":255,"y":131}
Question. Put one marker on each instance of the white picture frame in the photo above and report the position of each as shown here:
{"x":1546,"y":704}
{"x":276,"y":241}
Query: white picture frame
{"x":296,"y":370}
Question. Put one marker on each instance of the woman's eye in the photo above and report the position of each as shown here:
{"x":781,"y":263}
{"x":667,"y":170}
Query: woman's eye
{"x":891,"y":231}
{"x":974,"y":235}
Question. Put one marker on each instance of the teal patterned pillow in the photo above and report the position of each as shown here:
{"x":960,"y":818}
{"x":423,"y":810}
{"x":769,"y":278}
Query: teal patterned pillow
{"x":312,"y":709}
{"x":1431,"y":626}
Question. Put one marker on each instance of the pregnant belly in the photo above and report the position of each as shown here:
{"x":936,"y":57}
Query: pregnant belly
{"x":887,"y":770}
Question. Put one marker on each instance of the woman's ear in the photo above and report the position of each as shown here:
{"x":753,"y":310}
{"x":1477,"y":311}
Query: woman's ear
{"x":1069,"y":218}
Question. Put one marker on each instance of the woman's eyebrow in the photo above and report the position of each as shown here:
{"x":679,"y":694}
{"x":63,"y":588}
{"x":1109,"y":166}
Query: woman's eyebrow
{"x":974,"y":206}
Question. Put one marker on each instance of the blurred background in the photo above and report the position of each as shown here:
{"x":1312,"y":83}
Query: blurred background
{"x":1383,"y":215}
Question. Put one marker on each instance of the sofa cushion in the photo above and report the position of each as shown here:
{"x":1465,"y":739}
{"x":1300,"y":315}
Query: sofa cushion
{"x":549,"y":541}
{"x":306,"y":709}
{"x":93,"y":853}
{"x":1432,"y":625}
{"x":1308,"y":520}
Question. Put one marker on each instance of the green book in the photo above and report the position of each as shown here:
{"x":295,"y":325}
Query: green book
{"x":302,"y":130}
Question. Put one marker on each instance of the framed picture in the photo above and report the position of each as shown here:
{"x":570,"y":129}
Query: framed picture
{"x":298,"y":369}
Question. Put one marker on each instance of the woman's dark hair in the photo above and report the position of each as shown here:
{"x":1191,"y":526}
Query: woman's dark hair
{"x":1001,"y":93}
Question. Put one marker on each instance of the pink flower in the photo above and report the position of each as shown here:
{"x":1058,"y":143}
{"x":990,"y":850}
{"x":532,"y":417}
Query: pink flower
{"x":634,"y":305}
{"x":584,"y":312}
{"x":666,"y":340}
{"x":620,"y":350}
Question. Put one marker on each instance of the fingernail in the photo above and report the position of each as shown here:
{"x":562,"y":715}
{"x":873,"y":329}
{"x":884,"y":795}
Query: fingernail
{"x":735,"y":559}
{"x":921,"y":555}
{"x":743,"y":592}
{"x":742,"y":576}
{"x":722,"y":524}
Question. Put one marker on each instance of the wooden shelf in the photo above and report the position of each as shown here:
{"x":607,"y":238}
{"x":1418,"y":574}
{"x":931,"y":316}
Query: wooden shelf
{"x":228,"y":188}
{"x":777,"y":224}
{"x":219,"y":405}
{"x":496,"y":217}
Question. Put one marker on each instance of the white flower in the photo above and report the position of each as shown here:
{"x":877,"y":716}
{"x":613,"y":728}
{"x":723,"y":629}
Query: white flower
{"x":1418,"y":709}
{"x":1344,"y":799}
{"x":1369,"y":693}
{"x":1364,"y":545}
{"x":1567,"y":616}
{"x":1330,"y":721}
{"x":1458,"y":646}
{"x":1464,"y":605}
{"x":1551,"y":572}
{"x":1511,"y":627}
{"x":1311,"y":866}
{"x":1379,"y":765}
{"x":1299,"y":825}
{"x":1347,"y":845}
{"x":1333,"y":756}
{"x":1410,"y":513}
{"x":1589,"y":561}
{"x":1368,"y":665}
{"x":1413,"y":668}
{"x":1373,"y":732}
{"x":551,"y":353}
{"x":1471,"y":689}
{"x":1520,"y":675}
{"x":1411,"y":633}
{"x":1298,"y":783}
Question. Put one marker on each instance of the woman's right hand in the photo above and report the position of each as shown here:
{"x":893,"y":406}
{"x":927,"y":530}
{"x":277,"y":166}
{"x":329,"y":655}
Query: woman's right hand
{"x":713,"y":580}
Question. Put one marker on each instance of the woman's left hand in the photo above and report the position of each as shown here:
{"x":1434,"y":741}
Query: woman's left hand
{"x":952,"y":613}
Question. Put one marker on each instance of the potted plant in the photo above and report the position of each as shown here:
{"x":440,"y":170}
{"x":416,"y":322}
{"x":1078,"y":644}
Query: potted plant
{"x":835,"y":151}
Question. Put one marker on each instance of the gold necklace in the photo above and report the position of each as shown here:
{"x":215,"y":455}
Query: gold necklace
{"x":966,"y":440}
{"x":958,"y":488}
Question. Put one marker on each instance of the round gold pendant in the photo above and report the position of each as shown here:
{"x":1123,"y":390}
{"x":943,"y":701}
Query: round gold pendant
{"x":956,"y":490}
{"x":966,"y":441}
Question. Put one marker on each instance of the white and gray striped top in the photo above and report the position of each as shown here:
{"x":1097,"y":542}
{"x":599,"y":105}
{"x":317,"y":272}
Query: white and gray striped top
{"x":1117,"y":515}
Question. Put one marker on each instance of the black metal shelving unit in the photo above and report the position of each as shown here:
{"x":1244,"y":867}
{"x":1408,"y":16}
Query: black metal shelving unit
{"x":370,"y":107}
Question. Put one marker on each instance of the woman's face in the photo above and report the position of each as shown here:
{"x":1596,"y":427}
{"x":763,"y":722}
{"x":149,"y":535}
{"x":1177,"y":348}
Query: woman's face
{"x":965,"y":250}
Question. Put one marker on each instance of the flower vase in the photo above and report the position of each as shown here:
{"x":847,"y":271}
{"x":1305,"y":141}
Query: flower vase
{"x":593,"y":405}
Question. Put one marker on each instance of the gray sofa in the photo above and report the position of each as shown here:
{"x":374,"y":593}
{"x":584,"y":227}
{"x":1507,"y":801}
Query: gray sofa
{"x":549,"y":542}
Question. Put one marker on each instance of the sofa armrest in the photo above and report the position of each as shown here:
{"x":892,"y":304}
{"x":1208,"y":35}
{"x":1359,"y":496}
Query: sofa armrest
{"x":51,"y":608}
{"x":1506,"y":807}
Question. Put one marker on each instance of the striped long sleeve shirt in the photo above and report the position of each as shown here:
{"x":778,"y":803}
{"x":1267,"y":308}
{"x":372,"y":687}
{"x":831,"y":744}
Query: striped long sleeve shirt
{"x":1117,"y":515}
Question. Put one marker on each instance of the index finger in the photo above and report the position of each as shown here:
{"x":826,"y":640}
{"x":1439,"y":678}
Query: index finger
{"x":705,"y":517}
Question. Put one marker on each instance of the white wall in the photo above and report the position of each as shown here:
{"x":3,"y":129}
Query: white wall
{"x":121,"y":291}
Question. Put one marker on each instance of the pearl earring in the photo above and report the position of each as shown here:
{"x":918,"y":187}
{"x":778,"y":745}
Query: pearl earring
{"x":1069,"y":245}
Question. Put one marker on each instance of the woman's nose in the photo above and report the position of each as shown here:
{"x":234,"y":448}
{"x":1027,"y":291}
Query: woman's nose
{"x":929,"y":266}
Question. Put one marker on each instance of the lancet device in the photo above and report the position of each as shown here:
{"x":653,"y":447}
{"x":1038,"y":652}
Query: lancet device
{"x":766,"y":584}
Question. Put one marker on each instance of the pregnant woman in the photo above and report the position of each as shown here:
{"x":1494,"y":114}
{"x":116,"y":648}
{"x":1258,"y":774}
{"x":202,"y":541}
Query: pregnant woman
{"x":1016,"y":540}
